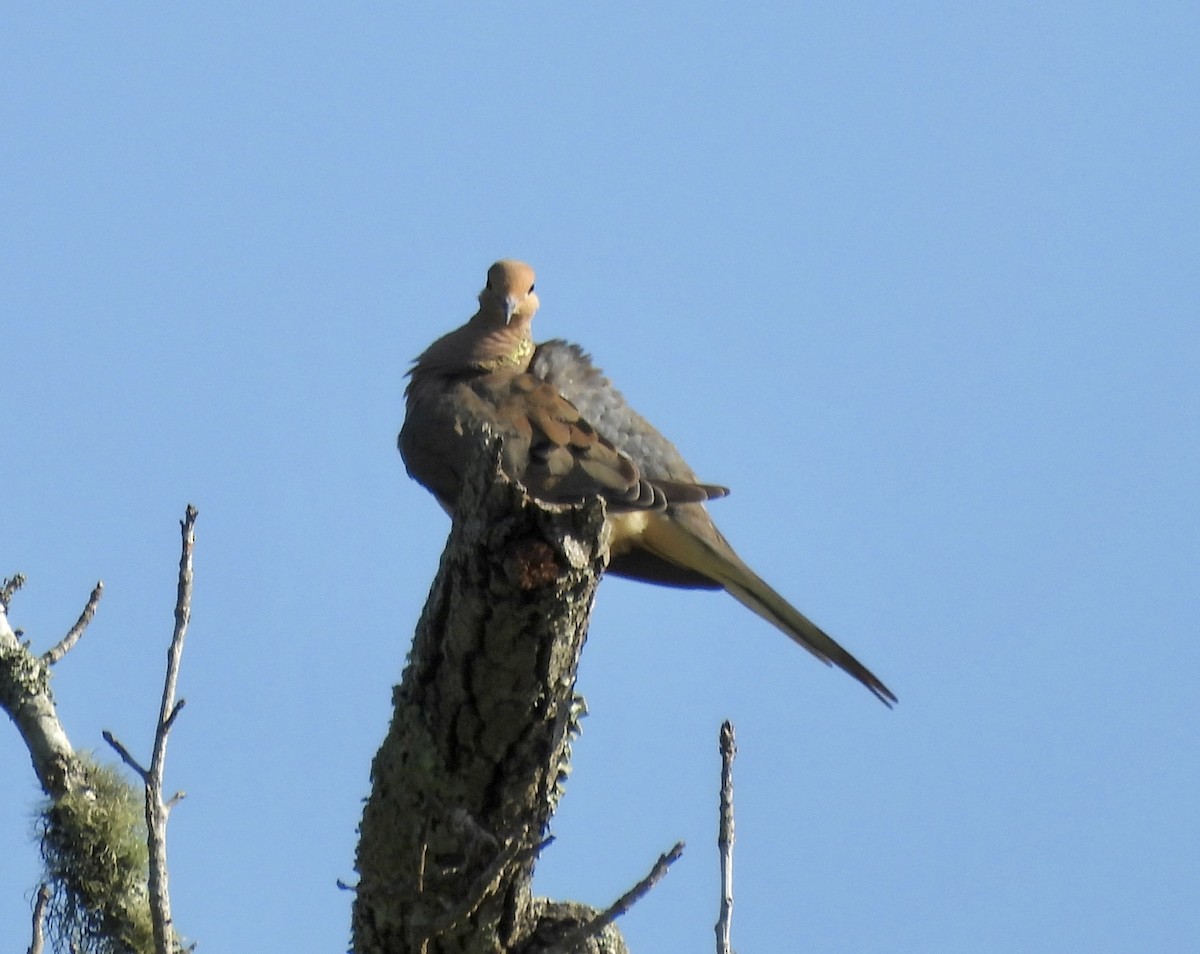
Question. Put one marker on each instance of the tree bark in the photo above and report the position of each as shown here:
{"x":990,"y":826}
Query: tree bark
{"x":473,"y":765}
{"x":25,"y":696}
{"x":93,"y":848}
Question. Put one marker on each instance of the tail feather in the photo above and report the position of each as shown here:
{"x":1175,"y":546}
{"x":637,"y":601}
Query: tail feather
{"x":772,"y":607}
{"x":711,"y":556}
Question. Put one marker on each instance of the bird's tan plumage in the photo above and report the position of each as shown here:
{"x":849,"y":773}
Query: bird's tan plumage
{"x":567,"y":434}
{"x":477,"y":376}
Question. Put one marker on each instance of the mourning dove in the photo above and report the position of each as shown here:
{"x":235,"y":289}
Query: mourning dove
{"x":567,"y":434}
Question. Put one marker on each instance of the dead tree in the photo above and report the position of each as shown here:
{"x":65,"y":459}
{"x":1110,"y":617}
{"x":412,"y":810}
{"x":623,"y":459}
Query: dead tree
{"x":464,"y":786}
{"x":103,"y":839}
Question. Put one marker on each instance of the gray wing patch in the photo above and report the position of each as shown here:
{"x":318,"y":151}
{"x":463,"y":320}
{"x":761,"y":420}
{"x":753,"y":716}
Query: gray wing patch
{"x":569,"y":368}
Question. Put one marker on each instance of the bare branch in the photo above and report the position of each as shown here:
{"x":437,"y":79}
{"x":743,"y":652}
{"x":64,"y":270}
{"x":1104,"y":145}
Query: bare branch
{"x":67,"y":643}
{"x":38,"y":944}
{"x":110,"y":900}
{"x":170,"y":720}
{"x":126,"y":756}
{"x":157,"y":810}
{"x":725,"y":837}
{"x":576,"y":938}
{"x":10,"y":586}
{"x":92,"y":852}
{"x":25,"y":695}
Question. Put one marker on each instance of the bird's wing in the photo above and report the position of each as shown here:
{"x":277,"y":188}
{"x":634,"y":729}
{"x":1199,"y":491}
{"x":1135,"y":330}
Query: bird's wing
{"x":680,"y":546}
{"x":569,"y":369}
{"x":548,"y":444}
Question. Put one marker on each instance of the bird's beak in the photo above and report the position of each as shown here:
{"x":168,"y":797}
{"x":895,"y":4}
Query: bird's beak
{"x":510,"y":308}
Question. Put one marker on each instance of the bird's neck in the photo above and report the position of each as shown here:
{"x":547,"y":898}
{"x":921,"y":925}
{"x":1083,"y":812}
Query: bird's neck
{"x":502,"y":350}
{"x":476,"y":346}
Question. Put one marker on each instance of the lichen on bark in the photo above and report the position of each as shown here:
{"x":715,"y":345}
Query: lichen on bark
{"x":471,"y":770}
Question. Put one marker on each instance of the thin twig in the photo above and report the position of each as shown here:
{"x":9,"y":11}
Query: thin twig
{"x":725,"y":836}
{"x":573,"y":940}
{"x":67,"y":643}
{"x":126,"y":757}
{"x":156,"y":809}
{"x":170,"y":720}
{"x":515,"y":852}
{"x":7,"y":588}
{"x":421,"y":866}
{"x":38,"y":943}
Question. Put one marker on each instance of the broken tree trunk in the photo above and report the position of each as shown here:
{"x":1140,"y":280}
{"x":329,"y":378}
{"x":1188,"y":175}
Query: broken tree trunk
{"x":465,"y":784}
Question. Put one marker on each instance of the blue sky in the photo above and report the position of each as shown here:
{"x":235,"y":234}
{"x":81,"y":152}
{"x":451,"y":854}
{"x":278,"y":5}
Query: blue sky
{"x":918,"y":283}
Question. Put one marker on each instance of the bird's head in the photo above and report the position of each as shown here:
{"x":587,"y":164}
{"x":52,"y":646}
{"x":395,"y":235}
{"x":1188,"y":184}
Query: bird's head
{"x":508,"y":295}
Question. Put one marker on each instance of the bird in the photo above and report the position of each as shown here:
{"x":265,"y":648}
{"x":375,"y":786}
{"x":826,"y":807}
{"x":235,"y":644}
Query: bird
{"x":568,"y":434}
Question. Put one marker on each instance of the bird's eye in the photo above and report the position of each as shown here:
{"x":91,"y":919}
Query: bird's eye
{"x":530,"y":292}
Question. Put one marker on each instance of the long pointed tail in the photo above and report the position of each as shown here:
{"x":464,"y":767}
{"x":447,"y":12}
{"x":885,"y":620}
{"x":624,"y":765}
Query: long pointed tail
{"x":772,"y":607}
{"x":670,"y":538}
